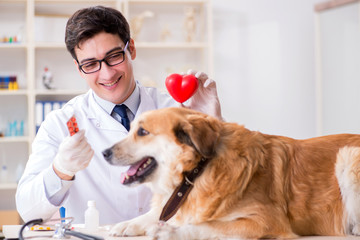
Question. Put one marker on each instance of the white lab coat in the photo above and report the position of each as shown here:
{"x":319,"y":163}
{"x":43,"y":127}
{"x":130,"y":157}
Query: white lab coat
{"x":99,"y":181}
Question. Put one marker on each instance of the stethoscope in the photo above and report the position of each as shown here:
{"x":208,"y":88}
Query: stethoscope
{"x":62,"y":230}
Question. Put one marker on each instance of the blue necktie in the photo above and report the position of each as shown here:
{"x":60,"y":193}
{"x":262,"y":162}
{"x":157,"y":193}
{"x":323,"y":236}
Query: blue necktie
{"x":121,"y":110}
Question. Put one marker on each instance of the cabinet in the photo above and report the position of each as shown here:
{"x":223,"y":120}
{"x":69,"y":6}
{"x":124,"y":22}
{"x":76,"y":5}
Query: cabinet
{"x":163,"y":47}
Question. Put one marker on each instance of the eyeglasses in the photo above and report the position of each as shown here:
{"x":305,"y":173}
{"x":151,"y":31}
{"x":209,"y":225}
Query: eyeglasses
{"x":112,"y":59}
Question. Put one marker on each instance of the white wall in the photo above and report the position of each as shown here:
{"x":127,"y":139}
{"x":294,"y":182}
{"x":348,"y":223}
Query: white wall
{"x":265,"y":64}
{"x":339,"y":98}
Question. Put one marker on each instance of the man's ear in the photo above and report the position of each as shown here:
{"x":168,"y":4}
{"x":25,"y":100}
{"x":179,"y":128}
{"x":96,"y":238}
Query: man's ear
{"x":199,"y":132}
{"x":77,"y":67}
{"x":132,"y":49}
{"x":76,"y":64}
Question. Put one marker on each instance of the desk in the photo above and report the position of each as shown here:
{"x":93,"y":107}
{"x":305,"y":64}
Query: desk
{"x":11,"y":231}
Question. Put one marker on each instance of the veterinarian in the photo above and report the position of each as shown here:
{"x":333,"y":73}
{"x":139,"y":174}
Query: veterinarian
{"x":69,"y":171}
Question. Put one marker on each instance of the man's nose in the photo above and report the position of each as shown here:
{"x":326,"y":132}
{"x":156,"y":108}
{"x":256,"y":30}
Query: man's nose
{"x":106,"y":72}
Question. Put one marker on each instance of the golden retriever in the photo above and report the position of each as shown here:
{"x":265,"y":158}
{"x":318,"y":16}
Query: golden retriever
{"x":254,"y":185}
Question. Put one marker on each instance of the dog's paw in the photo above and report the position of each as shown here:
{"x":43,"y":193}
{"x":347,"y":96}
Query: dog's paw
{"x":164,"y":231}
{"x":127,"y":229}
{"x":356,"y":230}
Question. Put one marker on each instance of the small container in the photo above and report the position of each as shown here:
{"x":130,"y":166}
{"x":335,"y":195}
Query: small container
{"x":91,"y":216}
{"x":6,"y":82}
{"x":2,"y":82}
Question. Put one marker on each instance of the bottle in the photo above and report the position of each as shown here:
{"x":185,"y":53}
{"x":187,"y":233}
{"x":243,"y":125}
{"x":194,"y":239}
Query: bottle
{"x":91,"y":216}
{"x":4,"y":174}
{"x":13,"y":85}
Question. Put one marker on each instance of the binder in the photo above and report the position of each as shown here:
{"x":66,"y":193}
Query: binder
{"x":43,"y":108}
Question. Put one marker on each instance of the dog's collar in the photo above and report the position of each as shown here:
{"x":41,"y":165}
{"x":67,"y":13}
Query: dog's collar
{"x":181,"y":192}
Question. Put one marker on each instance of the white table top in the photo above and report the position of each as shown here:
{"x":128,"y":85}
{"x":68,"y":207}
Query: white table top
{"x":12,"y":231}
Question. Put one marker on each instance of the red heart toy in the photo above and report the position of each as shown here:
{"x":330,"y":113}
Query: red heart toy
{"x":181,"y":87}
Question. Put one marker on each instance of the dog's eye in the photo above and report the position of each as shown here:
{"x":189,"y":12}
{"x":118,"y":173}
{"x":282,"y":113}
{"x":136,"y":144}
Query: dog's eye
{"x":142,"y":132}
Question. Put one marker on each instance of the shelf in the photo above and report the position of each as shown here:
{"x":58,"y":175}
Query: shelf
{"x":53,"y":45}
{"x":4,"y":92}
{"x":56,"y":92}
{"x":14,"y":139}
{"x":12,"y":45}
{"x":50,"y":45}
{"x":8,"y":186}
{"x":167,"y":1}
{"x":171,"y":45}
{"x":13,"y":1}
{"x":75,"y":1}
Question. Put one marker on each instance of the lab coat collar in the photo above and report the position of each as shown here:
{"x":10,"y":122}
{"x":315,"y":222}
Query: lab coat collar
{"x":132,"y":102}
{"x":99,"y":116}
{"x":103,"y":120}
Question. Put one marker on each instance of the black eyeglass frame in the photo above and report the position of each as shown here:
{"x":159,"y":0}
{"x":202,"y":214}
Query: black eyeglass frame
{"x":104,"y":60}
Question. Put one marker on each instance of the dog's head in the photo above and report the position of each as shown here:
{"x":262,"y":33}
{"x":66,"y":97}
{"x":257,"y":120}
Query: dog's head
{"x":163,"y":144}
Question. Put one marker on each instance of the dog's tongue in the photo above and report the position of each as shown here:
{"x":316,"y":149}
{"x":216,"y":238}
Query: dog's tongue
{"x":132,"y":170}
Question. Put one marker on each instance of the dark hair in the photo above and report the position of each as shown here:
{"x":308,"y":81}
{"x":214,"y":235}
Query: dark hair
{"x":87,"y":22}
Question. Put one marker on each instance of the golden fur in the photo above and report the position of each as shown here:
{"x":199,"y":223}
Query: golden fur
{"x":254,"y":186}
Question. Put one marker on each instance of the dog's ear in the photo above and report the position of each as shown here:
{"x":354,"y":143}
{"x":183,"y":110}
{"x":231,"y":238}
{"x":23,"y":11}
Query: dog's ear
{"x":199,"y":132}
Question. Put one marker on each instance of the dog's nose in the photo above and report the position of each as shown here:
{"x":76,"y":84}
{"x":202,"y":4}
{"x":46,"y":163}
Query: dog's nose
{"x":107,"y":154}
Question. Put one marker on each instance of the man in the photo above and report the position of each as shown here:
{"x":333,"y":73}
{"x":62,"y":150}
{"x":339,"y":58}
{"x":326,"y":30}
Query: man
{"x":68,"y":170}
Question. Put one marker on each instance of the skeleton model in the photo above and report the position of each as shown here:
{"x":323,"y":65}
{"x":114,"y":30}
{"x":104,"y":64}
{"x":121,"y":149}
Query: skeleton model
{"x":165,"y":33}
{"x":137,"y":22}
{"x":47,"y":78}
{"x":190,"y":24}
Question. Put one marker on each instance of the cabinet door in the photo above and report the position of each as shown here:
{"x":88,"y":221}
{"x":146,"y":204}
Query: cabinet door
{"x":339,"y":48}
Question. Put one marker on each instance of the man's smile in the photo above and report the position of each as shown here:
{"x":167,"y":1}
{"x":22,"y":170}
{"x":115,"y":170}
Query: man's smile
{"x":110,"y":84}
